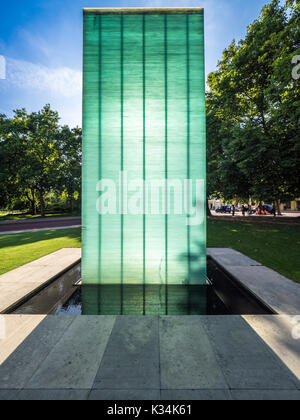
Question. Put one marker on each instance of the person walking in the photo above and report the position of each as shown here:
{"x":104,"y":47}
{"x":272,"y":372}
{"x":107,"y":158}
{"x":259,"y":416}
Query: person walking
{"x":243,"y":210}
{"x":233,"y":210}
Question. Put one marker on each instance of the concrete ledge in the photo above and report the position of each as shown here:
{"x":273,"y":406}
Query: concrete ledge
{"x":20,"y":284}
{"x":277,"y":291}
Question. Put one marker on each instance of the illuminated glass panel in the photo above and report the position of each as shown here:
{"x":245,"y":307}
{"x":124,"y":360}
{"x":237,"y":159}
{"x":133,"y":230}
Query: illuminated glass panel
{"x":144,"y":118}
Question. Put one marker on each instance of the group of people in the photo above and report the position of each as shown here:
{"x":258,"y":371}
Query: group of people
{"x":265,"y":210}
{"x":245,"y":210}
{"x":261,"y":210}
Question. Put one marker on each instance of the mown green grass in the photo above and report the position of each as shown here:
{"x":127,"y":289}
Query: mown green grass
{"x":273,"y":245}
{"x":22,"y":216}
{"x":19,"y":249}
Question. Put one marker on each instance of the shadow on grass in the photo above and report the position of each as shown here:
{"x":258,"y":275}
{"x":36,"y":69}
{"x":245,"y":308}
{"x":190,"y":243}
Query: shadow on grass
{"x":22,"y":216}
{"x":19,"y":239}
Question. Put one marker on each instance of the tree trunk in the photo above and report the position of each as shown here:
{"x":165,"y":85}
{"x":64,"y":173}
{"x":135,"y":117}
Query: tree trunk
{"x":278,"y":207}
{"x":33,"y":203}
{"x":42,"y":203}
{"x":70,"y":199}
{"x":80,"y":200}
{"x":208,"y":212}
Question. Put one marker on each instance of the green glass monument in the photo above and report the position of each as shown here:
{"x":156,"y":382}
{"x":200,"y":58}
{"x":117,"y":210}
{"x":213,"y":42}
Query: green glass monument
{"x":144,"y":161}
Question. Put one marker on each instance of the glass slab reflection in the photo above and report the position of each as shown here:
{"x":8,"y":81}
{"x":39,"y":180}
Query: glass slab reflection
{"x":145,"y":300}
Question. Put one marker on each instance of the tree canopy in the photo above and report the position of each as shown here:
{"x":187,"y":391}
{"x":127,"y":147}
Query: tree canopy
{"x":253,"y":111}
{"x":38,"y":158}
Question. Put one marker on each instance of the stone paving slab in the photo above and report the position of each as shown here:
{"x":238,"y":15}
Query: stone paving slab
{"x":124,"y":394}
{"x":74,"y":361}
{"x":18,"y":284}
{"x":262,"y":395}
{"x":22,"y":364}
{"x":277,"y":291}
{"x":131,"y":360}
{"x":187,"y":358}
{"x":136,"y":358}
{"x":13,"y":323}
{"x":16,"y":329}
{"x":277,"y":333}
{"x":245,"y":360}
{"x":8,"y":395}
{"x":53,"y":395}
{"x":196,"y":395}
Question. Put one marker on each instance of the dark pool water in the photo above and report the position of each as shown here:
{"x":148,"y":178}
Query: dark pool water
{"x":148,"y":300}
{"x":222,"y":295}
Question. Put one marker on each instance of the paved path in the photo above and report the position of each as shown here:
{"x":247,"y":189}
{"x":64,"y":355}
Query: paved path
{"x":286,"y":218}
{"x":19,"y":284}
{"x":278,"y":292}
{"x":39,"y":225}
{"x":136,"y":358}
{"x":239,"y":214}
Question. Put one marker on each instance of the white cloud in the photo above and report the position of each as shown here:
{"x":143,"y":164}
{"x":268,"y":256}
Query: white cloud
{"x":64,"y":81}
{"x":2,"y":68}
{"x":37,"y":43}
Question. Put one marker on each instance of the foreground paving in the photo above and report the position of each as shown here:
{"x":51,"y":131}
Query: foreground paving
{"x":140,"y":358}
{"x":21,"y":283}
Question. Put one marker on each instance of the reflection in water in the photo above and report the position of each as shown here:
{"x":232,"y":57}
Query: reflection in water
{"x":51,"y":299}
{"x":148,"y":300}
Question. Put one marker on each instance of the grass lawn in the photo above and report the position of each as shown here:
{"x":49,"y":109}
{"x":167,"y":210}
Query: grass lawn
{"x":21,"y":216}
{"x":19,"y":249}
{"x":275,"y":246}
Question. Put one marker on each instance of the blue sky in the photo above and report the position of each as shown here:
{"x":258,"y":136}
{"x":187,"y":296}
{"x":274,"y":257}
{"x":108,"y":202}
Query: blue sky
{"x":41,"y":41}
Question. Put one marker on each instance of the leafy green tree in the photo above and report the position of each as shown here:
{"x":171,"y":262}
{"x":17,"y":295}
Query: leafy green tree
{"x":40,"y":163}
{"x":38,"y":158}
{"x":255,"y":103}
{"x":10,"y":188}
{"x":225,"y":180}
{"x":70,"y":173}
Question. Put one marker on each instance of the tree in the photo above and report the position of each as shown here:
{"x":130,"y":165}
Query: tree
{"x":10,"y":189}
{"x":225,"y":180}
{"x":70,"y":174}
{"x":37,"y":157}
{"x":255,"y":105}
{"x":37,"y":138}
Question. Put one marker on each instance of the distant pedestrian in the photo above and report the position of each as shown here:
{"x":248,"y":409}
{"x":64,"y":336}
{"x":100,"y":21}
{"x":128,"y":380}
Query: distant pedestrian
{"x":233,"y":210}
{"x":250,"y":210}
{"x":273,"y":211}
{"x":243,"y":210}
